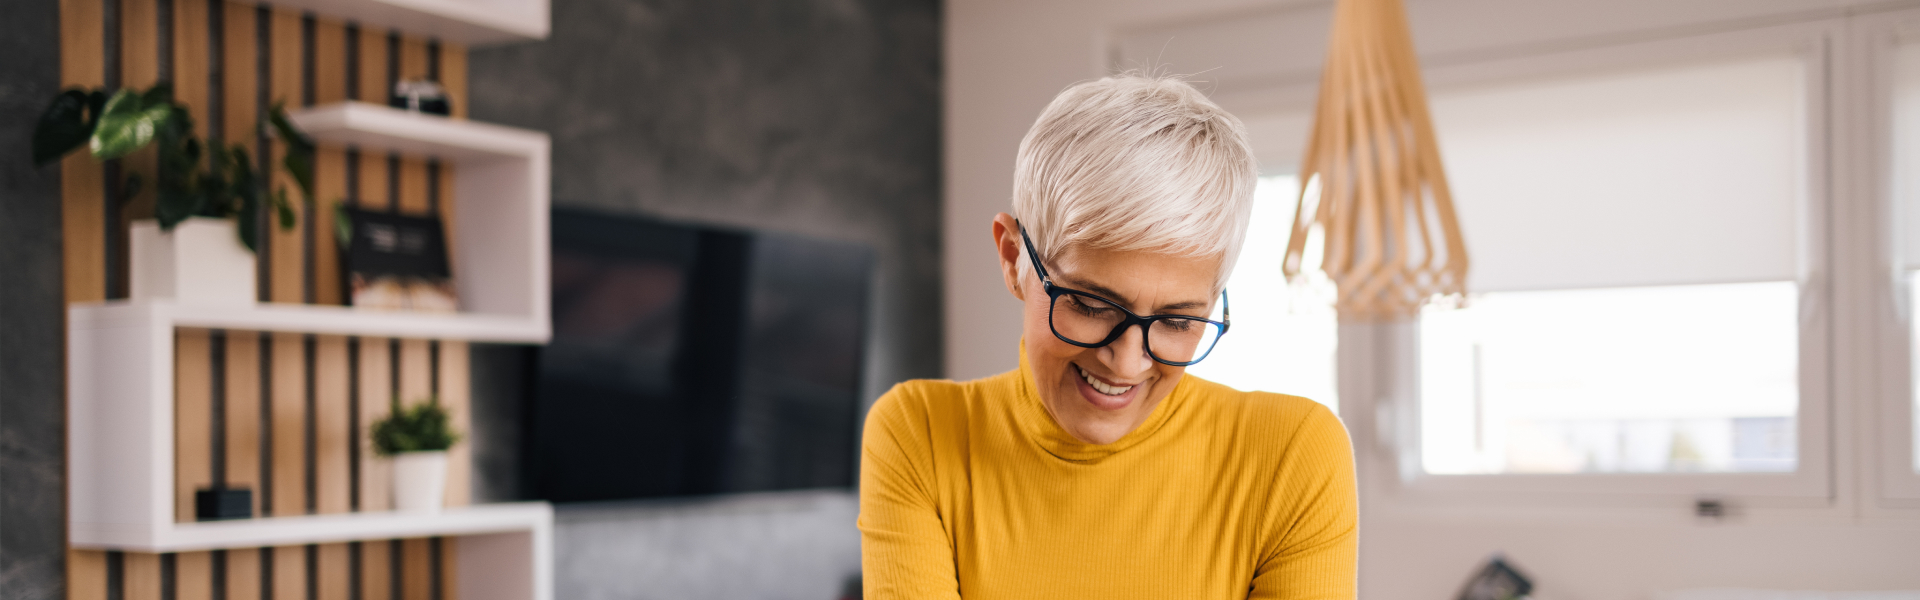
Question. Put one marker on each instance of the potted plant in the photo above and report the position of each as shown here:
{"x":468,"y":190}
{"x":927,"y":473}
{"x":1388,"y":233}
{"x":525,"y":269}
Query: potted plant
{"x":417,"y":439}
{"x":208,"y":194}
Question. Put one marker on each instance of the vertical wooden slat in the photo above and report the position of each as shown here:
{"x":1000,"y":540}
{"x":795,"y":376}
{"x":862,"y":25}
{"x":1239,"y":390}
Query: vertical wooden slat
{"x":82,"y":189}
{"x":193,"y":418}
{"x":375,"y":578}
{"x":453,"y":76}
{"x":330,"y":164}
{"x":190,"y":47}
{"x":332,"y":438}
{"x":86,"y":575}
{"x":289,"y":256}
{"x":238,"y":72}
{"x":454,"y":395}
{"x":139,"y":70}
{"x":376,"y":396}
{"x":416,"y":371}
{"x":333,"y":573}
{"x":243,"y":575}
{"x":417,"y":568}
{"x":289,"y":572}
{"x":413,"y":186}
{"x":142,"y":576}
{"x":413,"y":58}
{"x":243,"y":414}
{"x":289,"y":425}
{"x":373,"y":65}
{"x":193,"y":576}
{"x":449,"y":571}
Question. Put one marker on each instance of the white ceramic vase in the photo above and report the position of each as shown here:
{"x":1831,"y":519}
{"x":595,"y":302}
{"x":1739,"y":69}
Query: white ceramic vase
{"x":420,"y":481}
{"x":200,"y":262}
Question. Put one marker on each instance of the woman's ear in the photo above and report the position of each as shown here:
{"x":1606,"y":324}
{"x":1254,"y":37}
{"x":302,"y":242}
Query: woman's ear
{"x":1006,"y":243}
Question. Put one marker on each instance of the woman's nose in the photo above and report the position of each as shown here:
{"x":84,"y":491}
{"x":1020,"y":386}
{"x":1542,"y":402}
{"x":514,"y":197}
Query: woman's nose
{"x":1127,"y":356}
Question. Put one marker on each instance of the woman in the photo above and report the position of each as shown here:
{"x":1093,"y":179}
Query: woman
{"x":1098,"y":470}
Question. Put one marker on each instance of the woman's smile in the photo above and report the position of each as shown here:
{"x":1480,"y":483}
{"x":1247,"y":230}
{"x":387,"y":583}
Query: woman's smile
{"x":1103,"y":395}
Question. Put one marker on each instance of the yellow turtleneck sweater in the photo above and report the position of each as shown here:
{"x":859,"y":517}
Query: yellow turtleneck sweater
{"x":970,"y":490}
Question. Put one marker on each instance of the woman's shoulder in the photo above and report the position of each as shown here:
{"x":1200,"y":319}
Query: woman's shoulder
{"x":928,"y":403}
{"x":1271,"y":416}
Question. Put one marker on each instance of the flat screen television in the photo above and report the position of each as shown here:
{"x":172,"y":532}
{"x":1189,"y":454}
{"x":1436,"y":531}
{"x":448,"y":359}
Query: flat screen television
{"x":690,"y":360}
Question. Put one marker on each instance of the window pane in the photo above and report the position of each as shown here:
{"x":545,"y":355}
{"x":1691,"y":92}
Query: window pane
{"x":1626,"y":380}
{"x":1280,"y":340}
{"x":1913,"y":296}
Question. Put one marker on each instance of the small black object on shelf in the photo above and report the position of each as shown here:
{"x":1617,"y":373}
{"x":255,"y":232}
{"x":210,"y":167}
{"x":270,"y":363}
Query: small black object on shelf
{"x":420,"y":95}
{"x":220,"y":503}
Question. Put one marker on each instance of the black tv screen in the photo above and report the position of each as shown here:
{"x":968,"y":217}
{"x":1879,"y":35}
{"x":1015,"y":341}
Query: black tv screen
{"x":691,"y":360}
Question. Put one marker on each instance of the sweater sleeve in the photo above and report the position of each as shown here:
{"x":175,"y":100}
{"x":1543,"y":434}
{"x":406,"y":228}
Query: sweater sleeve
{"x":904,"y":550}
{"x":1314,"y":555}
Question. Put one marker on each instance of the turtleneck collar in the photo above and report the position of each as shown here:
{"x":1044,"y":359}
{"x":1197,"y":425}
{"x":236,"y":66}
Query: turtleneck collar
{"x":1038,"y":425}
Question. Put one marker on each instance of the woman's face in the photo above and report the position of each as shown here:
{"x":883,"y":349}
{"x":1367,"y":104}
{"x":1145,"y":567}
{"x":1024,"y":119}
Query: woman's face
{"x":1146,"y":283}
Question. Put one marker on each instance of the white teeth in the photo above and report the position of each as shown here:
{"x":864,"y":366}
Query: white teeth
{"x":1101,"y":387}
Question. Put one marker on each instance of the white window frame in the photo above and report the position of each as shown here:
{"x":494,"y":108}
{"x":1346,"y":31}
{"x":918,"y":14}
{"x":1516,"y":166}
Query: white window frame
{"x":1379,"y":376}
{"x":1873,"y":253}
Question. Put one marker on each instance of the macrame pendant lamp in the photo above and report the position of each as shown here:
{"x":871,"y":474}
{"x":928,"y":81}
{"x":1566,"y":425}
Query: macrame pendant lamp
{"x":1371,"y":177}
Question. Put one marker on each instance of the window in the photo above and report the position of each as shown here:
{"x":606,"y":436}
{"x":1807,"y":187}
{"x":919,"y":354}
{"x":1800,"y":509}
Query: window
{"x":1636,"y":238}
{"x":1283,"y":338}
{"x":1638,"y":380}
{"x":1906,"y":186}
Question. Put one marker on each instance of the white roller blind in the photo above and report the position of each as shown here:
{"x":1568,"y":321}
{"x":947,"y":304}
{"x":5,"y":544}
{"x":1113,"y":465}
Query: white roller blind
{"x":1676,"y":175}
{"x":1906,"y":151}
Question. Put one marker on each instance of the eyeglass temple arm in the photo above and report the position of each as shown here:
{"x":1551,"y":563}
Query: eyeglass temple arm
{"x":1032,"y":256}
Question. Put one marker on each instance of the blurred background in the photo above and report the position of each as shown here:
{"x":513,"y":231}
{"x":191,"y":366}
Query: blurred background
{"x":1683,"y":370}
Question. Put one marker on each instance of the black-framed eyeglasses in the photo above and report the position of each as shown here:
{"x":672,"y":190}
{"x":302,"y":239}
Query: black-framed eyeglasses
{"x":1090,"y":321}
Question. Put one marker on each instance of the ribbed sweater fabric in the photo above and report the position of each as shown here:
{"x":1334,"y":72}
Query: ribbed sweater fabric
{"x":970,"y":490}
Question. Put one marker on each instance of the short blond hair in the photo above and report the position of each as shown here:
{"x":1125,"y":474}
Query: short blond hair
{"x":1132,"y":162}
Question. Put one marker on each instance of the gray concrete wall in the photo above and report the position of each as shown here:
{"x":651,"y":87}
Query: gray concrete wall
{"x":815,"y":117}
{"x":32,"y":413}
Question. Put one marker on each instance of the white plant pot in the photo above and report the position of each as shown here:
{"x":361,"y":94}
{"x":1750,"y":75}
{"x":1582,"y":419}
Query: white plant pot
{"x":200,"y":262}
{"x":420,"y":481}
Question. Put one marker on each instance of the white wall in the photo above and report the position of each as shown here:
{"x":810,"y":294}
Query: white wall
{"x":1006,"y":59}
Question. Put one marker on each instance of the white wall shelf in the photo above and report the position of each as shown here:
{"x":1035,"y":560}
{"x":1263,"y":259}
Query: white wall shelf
{"x":471,"y":22}
{"x":158,"y":318}
{"x":499,"y":246}
{"x":523,"y":517}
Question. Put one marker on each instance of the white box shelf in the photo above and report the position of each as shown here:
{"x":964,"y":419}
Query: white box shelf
{"x":471,"y":22}
{"x":120,"y":360}
{"x":500,"y":190}
{"x":504,"y":550}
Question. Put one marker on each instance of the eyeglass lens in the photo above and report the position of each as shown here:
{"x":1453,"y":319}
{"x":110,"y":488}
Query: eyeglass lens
{"x":1088,"y":320}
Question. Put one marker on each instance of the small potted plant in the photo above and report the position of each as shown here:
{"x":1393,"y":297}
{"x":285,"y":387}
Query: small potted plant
{"x":207,"y":193}
{"x":417,"y":439}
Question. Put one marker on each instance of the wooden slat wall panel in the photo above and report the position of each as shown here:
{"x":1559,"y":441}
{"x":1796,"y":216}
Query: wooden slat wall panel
{"x":292,"y":409}
{"x":333,"y":440}
{"x":193,"y":576}
{"x":453,"y":76}
{"x":142,"y":573}
{"x":243,"y":414}
{"x":455,"y":395}
{"x":330,"y":77}
{"x":417,"y":572}
{"x":289,"y":425}
{"x":193,"y":418}
{"x":82,"y":183}
{"x":376,"y":578}
{"x":243,"y":575}
{"x":376,"y":398}
{"x":288,"y":256}
{"x":139,"y":70}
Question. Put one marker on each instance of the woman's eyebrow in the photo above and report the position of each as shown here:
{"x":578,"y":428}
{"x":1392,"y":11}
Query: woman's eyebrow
{"x":1108,"y":293}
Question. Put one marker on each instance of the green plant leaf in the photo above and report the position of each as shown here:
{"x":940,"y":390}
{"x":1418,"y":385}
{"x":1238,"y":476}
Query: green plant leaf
{"x":342,"y":224}
{"x":283,"y":209}
{"x":63,"y":126}
{"x":425,"y":426}
{"x":127,"y":124}
{"x":132,"y":186}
